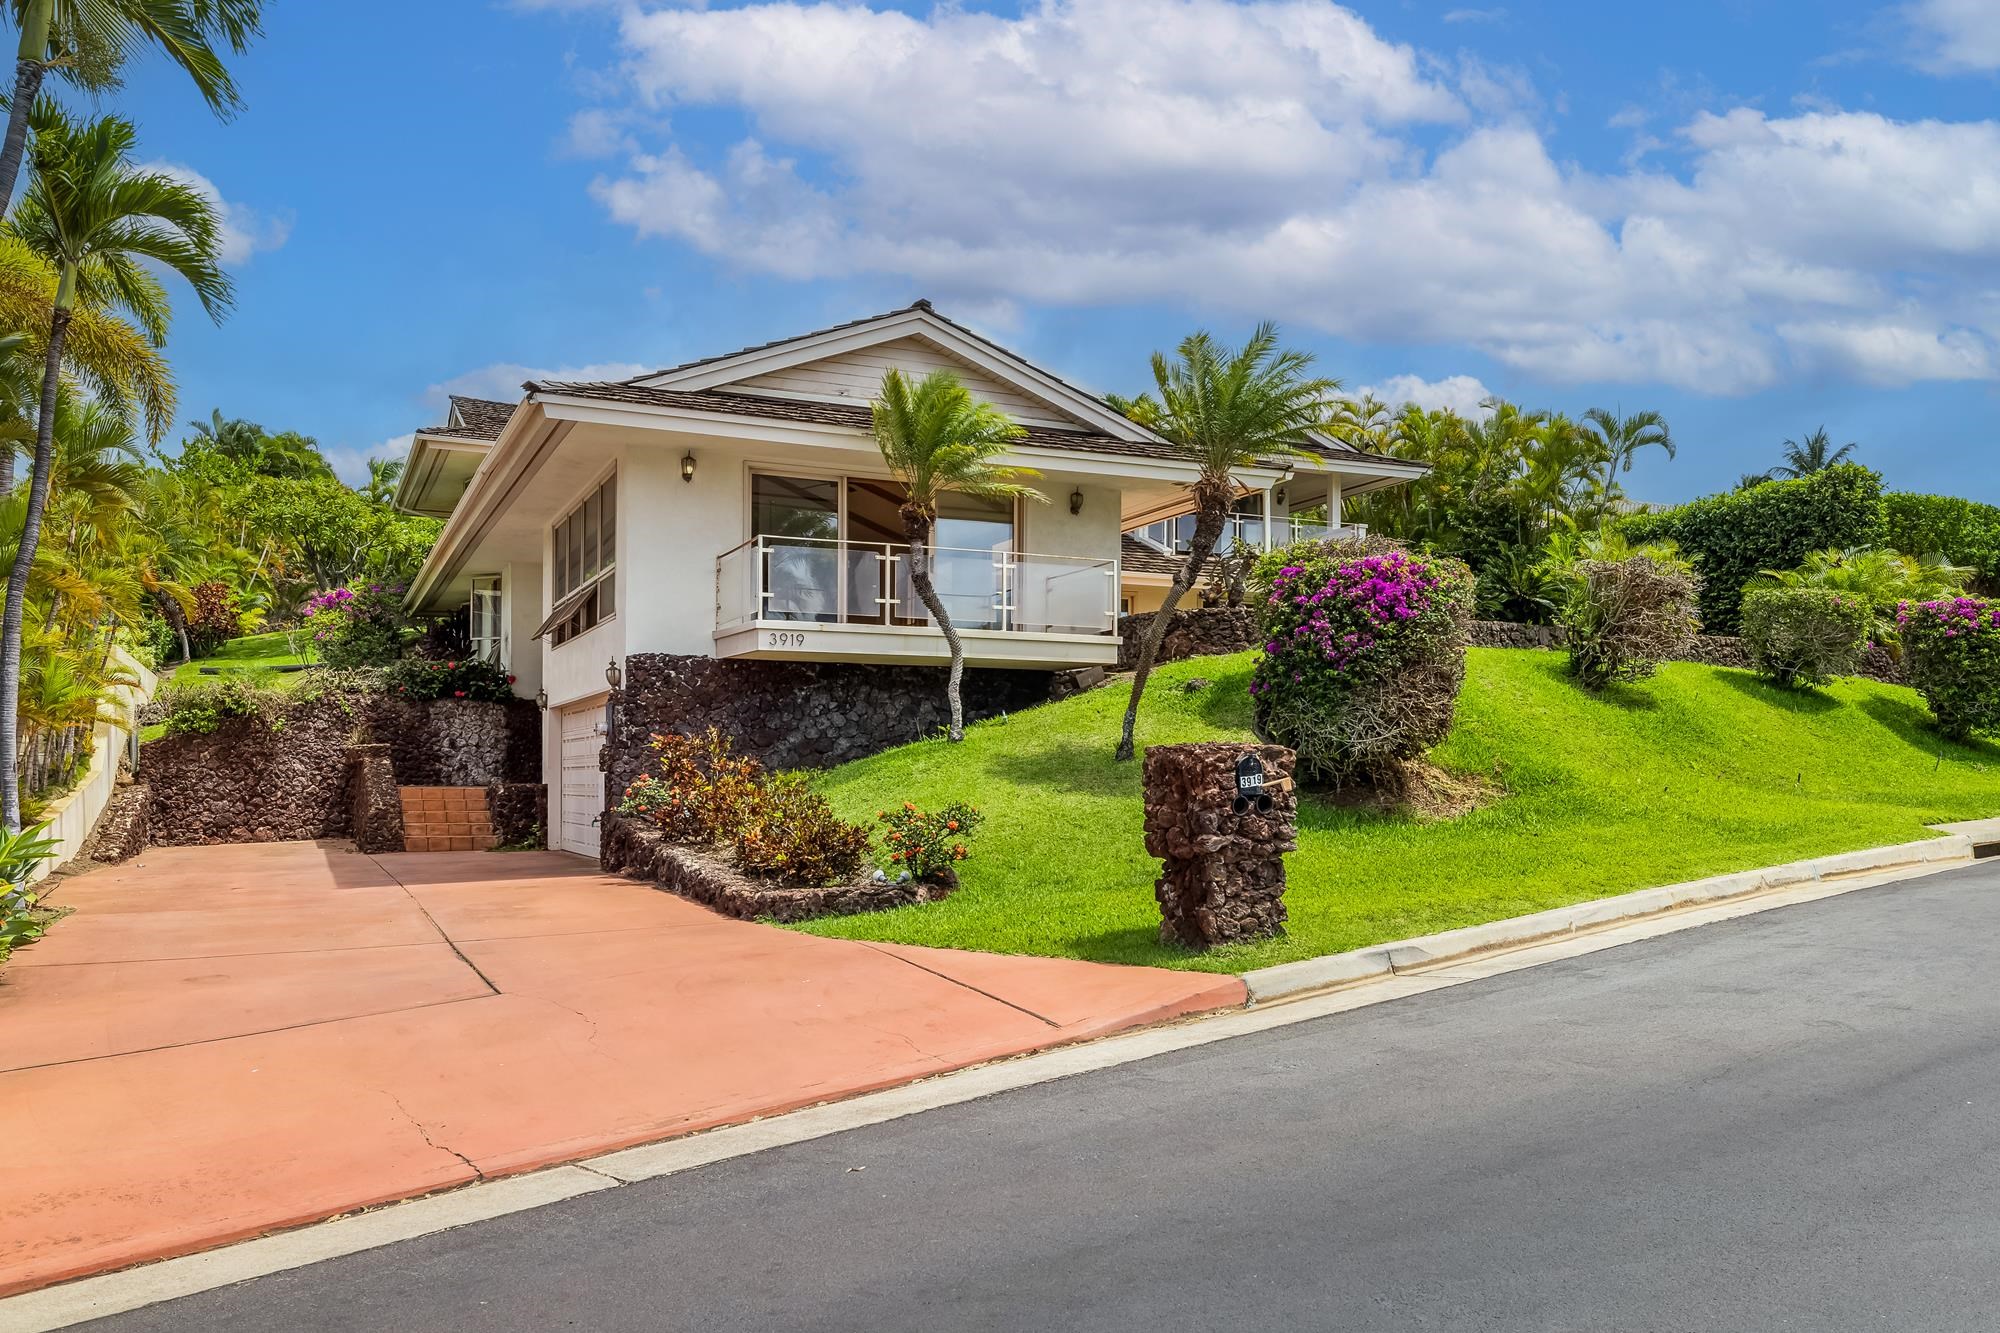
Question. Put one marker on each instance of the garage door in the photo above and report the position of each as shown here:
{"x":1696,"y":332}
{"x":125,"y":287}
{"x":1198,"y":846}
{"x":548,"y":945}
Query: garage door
{"x":582,"y":782}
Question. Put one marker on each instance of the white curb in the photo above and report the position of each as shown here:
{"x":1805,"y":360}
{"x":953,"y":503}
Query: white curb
{"x":1379,"y":960}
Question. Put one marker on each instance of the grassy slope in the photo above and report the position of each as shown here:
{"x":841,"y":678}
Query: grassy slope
{"x":252,"y":652}
{"x":1696,"y":772}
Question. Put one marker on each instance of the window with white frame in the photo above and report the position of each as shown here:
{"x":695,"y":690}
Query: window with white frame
{"x":485,"y":618}
{"x":583,"y":565}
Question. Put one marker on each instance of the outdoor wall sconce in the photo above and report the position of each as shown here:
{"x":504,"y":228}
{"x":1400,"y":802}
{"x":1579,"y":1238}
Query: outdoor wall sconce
{"x":542,"y":700}
{"x":687,"y":467}
{"x":1279,"y":496}
{"x":612,"y":674}
{"x":1076,"y":501}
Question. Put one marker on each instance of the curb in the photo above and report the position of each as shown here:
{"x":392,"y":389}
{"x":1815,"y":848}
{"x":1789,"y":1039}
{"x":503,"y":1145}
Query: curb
{"x":1380,"y":960}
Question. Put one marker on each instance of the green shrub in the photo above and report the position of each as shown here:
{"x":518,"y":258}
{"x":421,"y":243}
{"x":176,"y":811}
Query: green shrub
{"x":454,"y":678}
{"x":197,"y":707}
{"x":928,"y":845}
{"x":1732,"y":538}
{"x":791,"y":832}
{"x":1952,"y":650}
{"x":1622,"y":617}
{"x":702,"y":792}
{"x":358,"y":626}
{"x":1964,"y":532}
{"x":1363,"y":659}
{"x":1804,"y":636}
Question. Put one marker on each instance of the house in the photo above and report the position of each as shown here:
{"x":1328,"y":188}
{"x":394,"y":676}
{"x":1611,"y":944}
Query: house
{"x":723,"y":536}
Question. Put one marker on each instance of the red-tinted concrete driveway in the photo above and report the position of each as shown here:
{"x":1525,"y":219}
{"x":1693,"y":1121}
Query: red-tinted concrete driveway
{"x":223,"y":1041}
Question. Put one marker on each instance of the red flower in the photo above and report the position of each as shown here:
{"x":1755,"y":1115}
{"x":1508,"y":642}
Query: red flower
{"x":510,"y":678}
{"x":458,"y":694}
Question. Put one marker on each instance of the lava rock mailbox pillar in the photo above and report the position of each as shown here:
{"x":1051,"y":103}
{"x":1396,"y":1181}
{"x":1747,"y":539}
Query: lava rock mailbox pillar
{"x":1221,"y":818}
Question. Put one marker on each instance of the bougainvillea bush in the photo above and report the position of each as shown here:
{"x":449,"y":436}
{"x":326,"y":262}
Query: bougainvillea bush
{"x":357,"y":626}
{"x":1952,"y":650}
{"x":1363,"y":659}
{"x":453,"y":678}
{"x":1622,"y":617}
{"x":928,"y":844}
{"x":1804,"y":636}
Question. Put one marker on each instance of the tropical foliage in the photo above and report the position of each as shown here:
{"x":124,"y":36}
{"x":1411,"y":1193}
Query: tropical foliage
{"x":1880,"y":580}
{"x":1733,"y":538}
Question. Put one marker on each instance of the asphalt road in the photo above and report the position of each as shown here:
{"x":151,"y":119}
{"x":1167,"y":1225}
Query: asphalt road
{"x":1790,"y":1121}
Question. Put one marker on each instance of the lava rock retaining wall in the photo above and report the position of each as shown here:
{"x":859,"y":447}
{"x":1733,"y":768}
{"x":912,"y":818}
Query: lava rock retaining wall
{"x":641,"y":853}
{"x":376,"y":801}
{"x":797,"y":714}
{"x":520,"y":813}
{"x":285,"y":777}
{"x":1205,"y":631}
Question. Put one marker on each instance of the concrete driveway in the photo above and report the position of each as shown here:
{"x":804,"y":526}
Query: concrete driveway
{"x":223,"y":1041}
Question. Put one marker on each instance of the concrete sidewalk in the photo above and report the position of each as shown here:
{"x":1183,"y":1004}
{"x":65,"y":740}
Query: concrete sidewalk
{"x":223,"y":1041}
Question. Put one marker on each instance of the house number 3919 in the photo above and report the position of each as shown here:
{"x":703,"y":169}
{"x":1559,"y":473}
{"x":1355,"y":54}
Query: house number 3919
{"x":787,"y":639}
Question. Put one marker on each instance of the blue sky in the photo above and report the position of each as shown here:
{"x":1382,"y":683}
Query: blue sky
{"x":1756,"y":216}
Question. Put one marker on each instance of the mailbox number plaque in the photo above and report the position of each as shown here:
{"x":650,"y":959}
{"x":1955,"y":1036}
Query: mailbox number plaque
{"x":1250,"y":792}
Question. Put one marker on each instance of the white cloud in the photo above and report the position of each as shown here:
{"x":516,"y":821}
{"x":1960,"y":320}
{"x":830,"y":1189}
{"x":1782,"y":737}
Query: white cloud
{"x":1956,"y":36}
{"x":502,"y":381}
{"x":245,"y":231}
{"x":1463,"y":394}
{"x":1281,"y":158}
{"x":350,"y":463}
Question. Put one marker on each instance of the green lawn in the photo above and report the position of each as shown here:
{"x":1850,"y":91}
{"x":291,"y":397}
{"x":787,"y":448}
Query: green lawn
{"x":252,"y":652}
{"x":1696,"y":772}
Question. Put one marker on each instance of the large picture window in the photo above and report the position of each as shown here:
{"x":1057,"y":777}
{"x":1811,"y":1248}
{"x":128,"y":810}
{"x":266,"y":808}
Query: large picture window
{"x":583,"y":551}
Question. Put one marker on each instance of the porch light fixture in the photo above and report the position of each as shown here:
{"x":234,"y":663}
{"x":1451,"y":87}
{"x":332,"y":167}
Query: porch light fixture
{"x":542,"y":700}
{"x":687,"y":466}
{"x":612,"y":674}
{"x":1076,"y":501}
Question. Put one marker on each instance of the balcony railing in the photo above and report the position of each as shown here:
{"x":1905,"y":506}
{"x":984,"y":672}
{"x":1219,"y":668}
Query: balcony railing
{"x":1174,"y":535}
{"x":813,"y":580}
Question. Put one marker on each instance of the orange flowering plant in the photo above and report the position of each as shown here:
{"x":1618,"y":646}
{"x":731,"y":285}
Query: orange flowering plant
{"x":928,"y":844}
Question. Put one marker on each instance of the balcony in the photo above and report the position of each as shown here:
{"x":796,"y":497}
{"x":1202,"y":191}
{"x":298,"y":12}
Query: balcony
{"x":805,"y":599}
{"x":1174,"y":535}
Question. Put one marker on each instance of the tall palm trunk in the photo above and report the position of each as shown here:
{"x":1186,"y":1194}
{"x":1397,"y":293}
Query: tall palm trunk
{"x":24,"y":560}
{"x":917,"y":528}
{"x":30,"y":66}
{"x":1211,"y":514}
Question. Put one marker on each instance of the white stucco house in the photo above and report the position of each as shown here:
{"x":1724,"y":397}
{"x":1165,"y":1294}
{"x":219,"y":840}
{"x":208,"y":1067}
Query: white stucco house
{"x":736,"y":508}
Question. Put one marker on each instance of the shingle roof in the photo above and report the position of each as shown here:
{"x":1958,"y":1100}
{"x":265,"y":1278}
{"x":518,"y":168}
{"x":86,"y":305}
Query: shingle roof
{"x":473,"y":419}
{"x":1135,"y":557}
{"x":852,"y":415}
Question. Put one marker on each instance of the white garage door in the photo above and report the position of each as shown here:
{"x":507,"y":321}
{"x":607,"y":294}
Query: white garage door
{"x":582,"y":782}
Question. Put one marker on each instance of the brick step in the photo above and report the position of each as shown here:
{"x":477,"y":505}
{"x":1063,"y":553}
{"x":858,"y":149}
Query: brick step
{"x":446,"y":819}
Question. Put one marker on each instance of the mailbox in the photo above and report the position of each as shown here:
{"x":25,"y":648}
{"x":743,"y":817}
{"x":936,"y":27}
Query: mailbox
{"x":1251,"y":793}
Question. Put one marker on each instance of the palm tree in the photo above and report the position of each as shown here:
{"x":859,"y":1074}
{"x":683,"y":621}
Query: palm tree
{"x":118,"y":361}
{"x":1816,"y":454}
{"x":87,"y":40}
{"x":383,"y":474}
{"x":1224,"y":410}
{"x":936,"y":437}
{"x":95,"y":218}
{"x":1621,"y":438}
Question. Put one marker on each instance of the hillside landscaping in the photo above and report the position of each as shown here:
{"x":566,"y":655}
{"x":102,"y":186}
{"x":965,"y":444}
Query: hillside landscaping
{"x":1700,"y":771}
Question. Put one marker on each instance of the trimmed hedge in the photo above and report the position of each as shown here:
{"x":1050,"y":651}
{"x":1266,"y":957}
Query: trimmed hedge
{"x":1804,"y":636}
{"x":1965,"y":532}
{"x":1733,"y":538}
